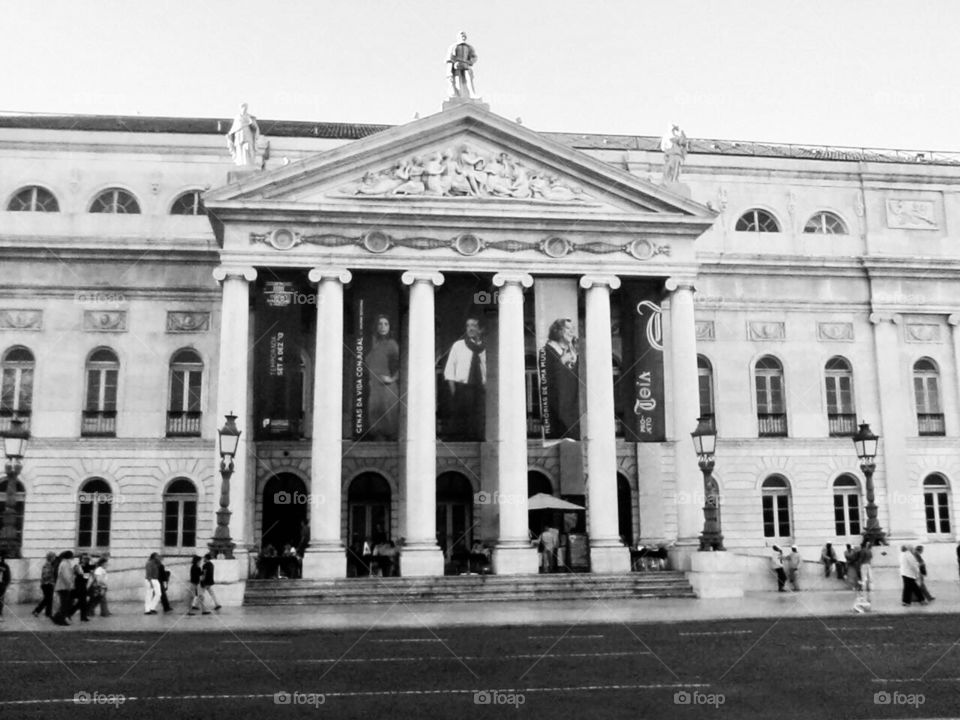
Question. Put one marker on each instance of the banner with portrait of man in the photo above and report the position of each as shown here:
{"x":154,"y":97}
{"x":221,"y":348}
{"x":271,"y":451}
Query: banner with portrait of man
{"x":558,"y":357}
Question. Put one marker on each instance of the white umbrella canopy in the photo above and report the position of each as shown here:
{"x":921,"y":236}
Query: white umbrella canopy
{"x":542,"y":501}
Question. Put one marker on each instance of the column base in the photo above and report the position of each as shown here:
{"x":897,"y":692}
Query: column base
{"x":515,"y":560}
{"x":609,"y":557}
{"x":230,"y":576}
{"x":421,"y":561}
{"x":325,"y":562}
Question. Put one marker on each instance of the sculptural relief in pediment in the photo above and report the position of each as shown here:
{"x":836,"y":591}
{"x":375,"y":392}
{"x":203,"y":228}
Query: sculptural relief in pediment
{"x":467,"y":172}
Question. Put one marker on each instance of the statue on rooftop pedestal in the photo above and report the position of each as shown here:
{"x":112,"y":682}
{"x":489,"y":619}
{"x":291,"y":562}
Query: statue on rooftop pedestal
{"x":674,"y":146}
{"x":242,"y":139}
{"x":461,"y":58}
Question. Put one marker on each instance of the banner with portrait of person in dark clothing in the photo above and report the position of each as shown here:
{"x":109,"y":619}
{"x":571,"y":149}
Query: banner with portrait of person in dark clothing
{"x":558,"y":357}
{"x":639,"y":388}
{"x":374,"y":368}
{"x":464,"y":307}
{"x":278,"y":324}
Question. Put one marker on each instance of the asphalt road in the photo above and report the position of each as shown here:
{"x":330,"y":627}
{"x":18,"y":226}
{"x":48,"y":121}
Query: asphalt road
{"x":845,"y":667}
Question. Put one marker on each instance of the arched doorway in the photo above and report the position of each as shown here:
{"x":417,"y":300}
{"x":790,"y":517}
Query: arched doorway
{"x":537,"y":483}
{"x":454,"y":516}
{"x":624,"y":510}
{"x":285,"y":503}
{"x":368,"y":513}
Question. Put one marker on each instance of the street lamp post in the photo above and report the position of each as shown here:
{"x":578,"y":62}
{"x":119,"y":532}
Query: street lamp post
{"x":14,"y":447}
{"x":705,"y":445}
{"x":865,"y":443}
{"x":229,"y":438}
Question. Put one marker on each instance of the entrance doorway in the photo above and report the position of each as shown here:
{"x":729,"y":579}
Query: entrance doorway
{"x":368,"y":508}
{"x":284,"y":511}
{"x":454,"y":518}
{"x":625,"y":510}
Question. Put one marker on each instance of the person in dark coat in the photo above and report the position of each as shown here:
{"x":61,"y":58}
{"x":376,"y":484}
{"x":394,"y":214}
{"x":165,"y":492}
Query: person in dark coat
{"x":47,"y":578}
{"x":164,"y":581}
{"x":64,"y":586}
{"x":206,"y":582}
{"x":4,"y":580}
{"x":196,"y":575}
{"x":82,"y":573}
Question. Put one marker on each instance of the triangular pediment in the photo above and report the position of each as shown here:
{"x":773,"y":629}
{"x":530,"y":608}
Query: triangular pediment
{"x":462,"y":160}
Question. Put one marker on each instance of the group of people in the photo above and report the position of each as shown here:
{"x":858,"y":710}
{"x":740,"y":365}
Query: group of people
{"x":70,"y":584}
{"x":158,"y":578}
{"x":913,"y":573}
{"x":285,"y":564}
{"x":787,"y":568}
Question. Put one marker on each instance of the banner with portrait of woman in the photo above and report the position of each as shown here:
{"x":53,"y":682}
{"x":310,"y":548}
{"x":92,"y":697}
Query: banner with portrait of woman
{"x":374,"y":367}
{"x":558,"y":357}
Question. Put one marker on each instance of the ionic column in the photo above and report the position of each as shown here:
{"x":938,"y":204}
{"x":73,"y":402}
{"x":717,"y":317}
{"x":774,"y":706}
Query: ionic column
{"x":894,"y":491}
{"x":513,"y":554}
{"x":684,"y":392}
{"x":421,"y":555}
{"x":232,"y":392}
{"x":326,"y":556}
{"x":607,"y":553}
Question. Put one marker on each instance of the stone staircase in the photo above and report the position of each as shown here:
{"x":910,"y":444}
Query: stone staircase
{"x":468,"y":588}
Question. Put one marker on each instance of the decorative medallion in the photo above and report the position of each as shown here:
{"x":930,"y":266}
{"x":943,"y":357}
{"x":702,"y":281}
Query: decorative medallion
{"x":835,"y":331}
{"x":376,"y":241}
{"x":179,"y":321}
{"x":284,"y":239}
{"x":21,"y":320}
{"x":643,"y":249}
{"x":105,"y":320}
{"x":467,"y":244}
{"x":556,"y":247}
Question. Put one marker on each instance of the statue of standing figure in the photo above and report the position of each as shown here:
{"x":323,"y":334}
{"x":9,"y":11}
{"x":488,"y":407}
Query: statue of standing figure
{"x":674,"y":146}
{"x":460,"y":61}
{"x":242,"y":138}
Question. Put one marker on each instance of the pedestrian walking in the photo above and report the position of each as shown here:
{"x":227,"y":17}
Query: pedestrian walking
{"x":793,"y":568}
{"x":909,"y":572}
{"x":164,"y":576}
{"x":829,"y":558}
{"x":865,"y":565}
{"x":776,"y":564}
{"x":206,"y":582}
{"x":852,"y":556}
{"x":152,"y":592}
{"x":922,"y":577}
{"x":82,"y":573}
{"x":98,"y":589}
{"x":47,"y":578}
{"x":4,"y":580}
{"x":196,"y":575}
{"x":63,"y":587}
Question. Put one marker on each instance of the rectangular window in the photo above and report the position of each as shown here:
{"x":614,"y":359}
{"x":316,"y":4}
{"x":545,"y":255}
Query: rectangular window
{"x":839,"y":395}
{"x":839,"y":520}
{"x":85,"y":534}
{"x":171,"y":523}
{"x":706,"y":395}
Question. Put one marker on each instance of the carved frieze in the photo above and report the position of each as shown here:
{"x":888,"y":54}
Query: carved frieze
{"x":465,"y":171}
{"x":185,"y":321}
{"x":105,"y":320}
{"x":911,"y":214}
{"x":835,"y":331}
{"x":706,"y":330}
{"x":922,"y":332}
{"x":764,"y":330}
{"x":21,"y":320}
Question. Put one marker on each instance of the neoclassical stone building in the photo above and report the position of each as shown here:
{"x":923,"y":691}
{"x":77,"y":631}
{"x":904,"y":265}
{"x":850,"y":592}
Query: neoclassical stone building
{"x":418,"y":327}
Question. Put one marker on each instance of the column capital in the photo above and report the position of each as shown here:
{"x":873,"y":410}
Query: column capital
{"x":953,"y":319}
{"x":414,"y":276}
{"x":878,"y":318}
{"x":513,"y":278}
{"x":245,"y":272}
{"x":319,"y":274}
{"x":673,"y":284}
{"x":589,"y":281}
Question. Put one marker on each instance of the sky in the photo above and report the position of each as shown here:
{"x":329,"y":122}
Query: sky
{"x":863,"y":73}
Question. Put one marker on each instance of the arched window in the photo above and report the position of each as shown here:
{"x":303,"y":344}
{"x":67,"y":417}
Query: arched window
{"x":180,"y":514}
{"x":846,"y":506}
{"x":825,"y":223}
{"x":184,"y":413}
{"x":926,"y":390}
{"x":771,"y":409}
{"x":705,"y":384}
{"x":96,"y":504}
{"x":115,"y":201}
{"x":757,"y":220}
{"x":841,"y":415}
{"x":19,"y":502}
{"x":936,"y":503}
{"x":33,"y":199}
{"x":16,"y":387}
{"x":100,"y":411}
{"x":776,"y":507}
{"x":190,"y":203}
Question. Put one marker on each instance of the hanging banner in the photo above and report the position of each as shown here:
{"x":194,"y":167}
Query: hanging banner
{"x":558,"y":357}
{"x":375,"y":357}
{"x":277,"y":322}
{"x":641,"y":383}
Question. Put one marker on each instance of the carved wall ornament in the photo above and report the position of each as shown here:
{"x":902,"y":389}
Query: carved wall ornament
{"x":555,"y":247}
{"x":187,"y":321}
{"x":21,"y":320}
{"x":643,"y":249}
{"x":766,"y":330}
{"x":284,"y":239}
{"x":376,"y":241}
{"x":922,"y":332}
{"x":463,"y":171}
{"x":722,"y":199}
{"x":105,"y":320}
{"x":706,"y":330}
{"x":467,"y":244}
{"x":835,"y":331}
{"x":911,"y":214}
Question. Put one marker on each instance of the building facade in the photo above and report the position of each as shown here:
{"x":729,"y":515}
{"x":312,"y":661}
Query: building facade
{"x":419,"y":327}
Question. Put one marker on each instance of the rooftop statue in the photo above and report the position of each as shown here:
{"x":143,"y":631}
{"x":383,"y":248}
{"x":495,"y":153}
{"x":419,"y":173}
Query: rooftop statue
{"x":242,"y":139}
{"x":461,"y":58}
{"x":674,"y":146}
